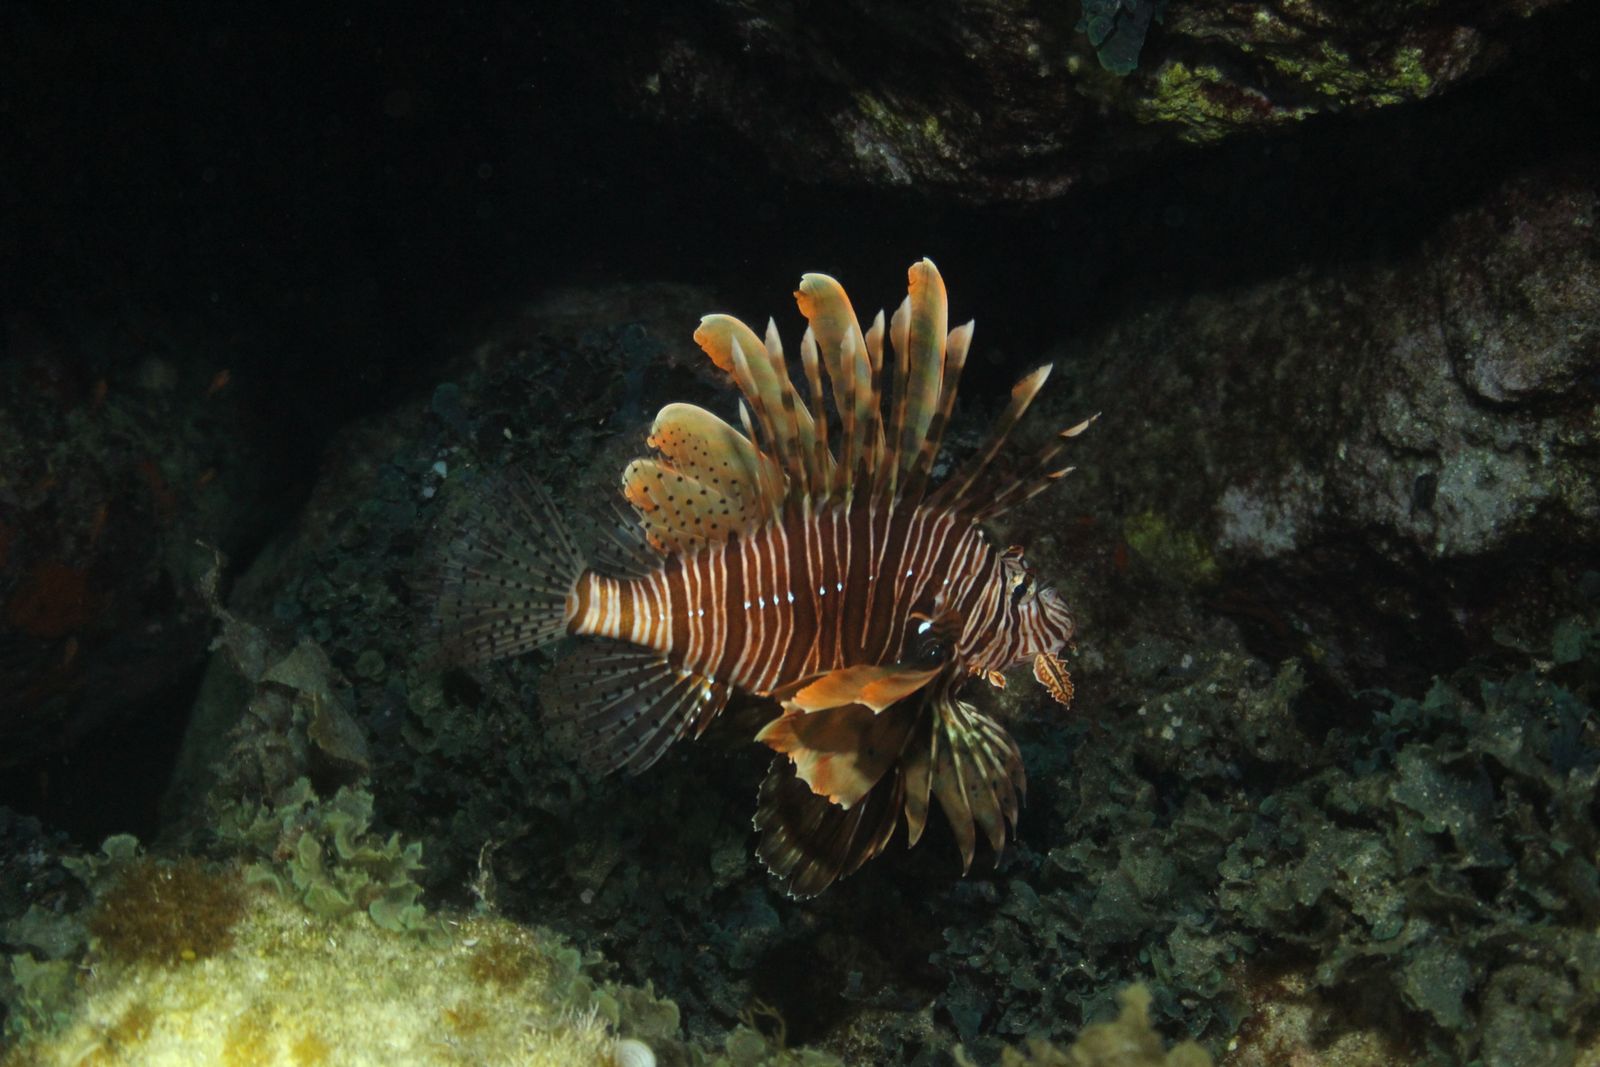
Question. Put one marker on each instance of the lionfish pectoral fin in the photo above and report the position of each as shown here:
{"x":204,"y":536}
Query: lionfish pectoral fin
{"x":917,"y":767}
{"x":874,"y":686}
{"x":841,"y":753}
{"x":807,"y":842}
{"x":621,"y":706}
{"x":1051,"y":673}
{"x":976,"y":774}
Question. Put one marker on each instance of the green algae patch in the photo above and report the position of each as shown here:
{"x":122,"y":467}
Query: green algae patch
{"x":1179,"y":555}
{"x":290,"y":988}
{"x":1337,"y":75}
{"x":1207,"y":103}
{"x":325,"y":852}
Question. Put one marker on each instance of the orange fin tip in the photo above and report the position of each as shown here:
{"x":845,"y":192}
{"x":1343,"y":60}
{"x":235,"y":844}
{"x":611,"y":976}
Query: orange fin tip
{"x":875,"y":687}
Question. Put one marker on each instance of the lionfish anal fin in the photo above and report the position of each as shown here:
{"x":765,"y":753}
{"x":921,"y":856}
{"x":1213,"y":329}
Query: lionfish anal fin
{"x":841,"y":753}
{"x":622,"y":706}
{"x":871,"y":685}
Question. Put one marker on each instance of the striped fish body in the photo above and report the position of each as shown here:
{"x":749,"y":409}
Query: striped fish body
{"x":806,"y":595}
{"x":798,"y":560}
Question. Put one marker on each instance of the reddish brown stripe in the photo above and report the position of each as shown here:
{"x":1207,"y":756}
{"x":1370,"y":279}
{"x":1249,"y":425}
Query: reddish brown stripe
{"x":852,"y":597}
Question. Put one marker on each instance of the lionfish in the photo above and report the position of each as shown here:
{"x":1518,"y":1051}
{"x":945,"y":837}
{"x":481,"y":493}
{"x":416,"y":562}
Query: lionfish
{"x":810,"y":564}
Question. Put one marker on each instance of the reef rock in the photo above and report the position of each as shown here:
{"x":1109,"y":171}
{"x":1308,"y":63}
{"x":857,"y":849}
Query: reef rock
{"x":1380,"y":465}
{"x":1018,"y":99}
{"x":109,"y":475}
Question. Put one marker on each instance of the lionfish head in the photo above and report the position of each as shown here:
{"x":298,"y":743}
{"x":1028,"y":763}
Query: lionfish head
{"x":1039,"y":617}
{"x":1033,"y":623}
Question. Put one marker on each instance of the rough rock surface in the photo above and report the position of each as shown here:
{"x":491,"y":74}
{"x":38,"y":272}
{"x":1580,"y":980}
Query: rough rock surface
{"x":1010,"y":100}
{"x":109,"y":474}
{"x":1380,"y":467}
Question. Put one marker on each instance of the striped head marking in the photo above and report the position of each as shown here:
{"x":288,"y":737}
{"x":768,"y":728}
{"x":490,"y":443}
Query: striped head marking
{"x":1028,"y":619}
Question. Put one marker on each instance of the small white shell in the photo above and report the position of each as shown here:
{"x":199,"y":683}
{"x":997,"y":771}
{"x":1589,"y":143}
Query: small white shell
{"x":631,"y":1052}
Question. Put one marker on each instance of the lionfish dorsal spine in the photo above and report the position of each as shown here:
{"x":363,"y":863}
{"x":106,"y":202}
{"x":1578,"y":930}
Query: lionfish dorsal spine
{"x":955,"y":360}
{"x":954,"y":493}
{"x":927,"y":326}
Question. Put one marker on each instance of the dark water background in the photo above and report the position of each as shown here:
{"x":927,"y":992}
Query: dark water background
{"x":338,"y":201}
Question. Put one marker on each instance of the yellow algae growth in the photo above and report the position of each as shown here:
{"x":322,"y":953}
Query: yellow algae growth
{"x":287,"y":988}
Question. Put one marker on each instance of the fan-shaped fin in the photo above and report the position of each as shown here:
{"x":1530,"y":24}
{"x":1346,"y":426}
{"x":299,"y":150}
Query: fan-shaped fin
{"x":697,"y":443}
{"x":1033,"y":478}
{"x":622,"y":706}
{"x":899,"y":334}
{"x":880,"y":442}
{"x":735,"y":348}
{"x":823,"y":467}
{"x":823,"y":302}
{"x":808,"y":842}
{"x":891,"y":456}
{"x":795,"y":421}
{"x":976,"y":774}
{"x":873,"y":685}
{"x":848,"y":360}
{"x":842,"y":752}
{"x":505,"y":575}
{"x":622,"y":549}
{"x":916,"y":765}
{"x":955,"y":358}
{"x":679,"y":512}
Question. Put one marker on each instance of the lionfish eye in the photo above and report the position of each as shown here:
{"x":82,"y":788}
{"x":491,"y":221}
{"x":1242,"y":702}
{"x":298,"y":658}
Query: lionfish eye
{"x":1021,"y":588}
{"x":929,"y":647}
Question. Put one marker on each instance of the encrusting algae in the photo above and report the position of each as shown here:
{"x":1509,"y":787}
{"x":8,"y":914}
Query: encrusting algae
{"x":810,"y":564}
{"x":261,"y":981}
{"x":282,"y":987}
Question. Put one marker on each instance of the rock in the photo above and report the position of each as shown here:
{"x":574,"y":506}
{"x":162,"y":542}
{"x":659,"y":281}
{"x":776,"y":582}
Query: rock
{"x":1020,"y":100}
{"x":1387,"y":458}
{"x":109,"y":476}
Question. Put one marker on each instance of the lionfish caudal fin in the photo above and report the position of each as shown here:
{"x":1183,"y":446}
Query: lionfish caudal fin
{"x":505,"y":585}
{"x":505,"y":573}
{"x":710,"y":480}
{"x":834,"y":795}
